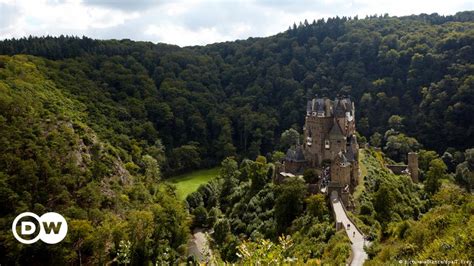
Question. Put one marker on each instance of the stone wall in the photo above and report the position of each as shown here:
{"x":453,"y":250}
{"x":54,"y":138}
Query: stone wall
{"x":397,"y":169}
{"x":341,"y":173}
{"x":294,"y":167}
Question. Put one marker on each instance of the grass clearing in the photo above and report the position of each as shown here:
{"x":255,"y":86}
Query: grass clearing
{"x":189,"y":182}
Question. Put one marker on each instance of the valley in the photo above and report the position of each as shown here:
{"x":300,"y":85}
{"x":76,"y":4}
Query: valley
{"x":140,"y":145}
{"x":189,"y":182}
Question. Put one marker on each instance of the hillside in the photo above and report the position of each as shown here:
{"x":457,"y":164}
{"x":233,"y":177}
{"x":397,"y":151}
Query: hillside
{"x":399,"y":218}
{"x":52,"y":160}
{"x":90,"y":128}
{"x":444,"y":232}
{"x":237,"y":97}
{"x":404,"y":223}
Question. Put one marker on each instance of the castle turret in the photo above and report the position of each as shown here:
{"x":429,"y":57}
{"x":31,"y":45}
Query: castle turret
{"x":329,"y":137}
{"x":413,"y":166}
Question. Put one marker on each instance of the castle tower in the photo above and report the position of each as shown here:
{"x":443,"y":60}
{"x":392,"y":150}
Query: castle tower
{"x":329,"y":138}
{"x":413,"y":165}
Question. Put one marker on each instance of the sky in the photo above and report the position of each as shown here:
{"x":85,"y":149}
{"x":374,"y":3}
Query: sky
{"x":192,"y":22}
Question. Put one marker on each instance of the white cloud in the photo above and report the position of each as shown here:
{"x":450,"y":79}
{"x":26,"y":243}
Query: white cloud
{"x":125,"y":5}
{"x":191,"y":22}
{"x":180,"y":35}
{"x":42,"y":17}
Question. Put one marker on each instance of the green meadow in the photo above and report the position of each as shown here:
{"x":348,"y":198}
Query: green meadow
{"x":189,"y":182}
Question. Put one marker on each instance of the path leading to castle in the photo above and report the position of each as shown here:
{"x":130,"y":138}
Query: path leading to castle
{"x":357,"y":240}
{"x":199,"y":247}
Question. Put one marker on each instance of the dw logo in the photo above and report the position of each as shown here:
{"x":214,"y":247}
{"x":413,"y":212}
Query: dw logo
{"x":51,"y":228}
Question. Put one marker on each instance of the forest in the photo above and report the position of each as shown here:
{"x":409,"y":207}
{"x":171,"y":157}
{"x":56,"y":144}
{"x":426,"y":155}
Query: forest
{"x":92,"y":128}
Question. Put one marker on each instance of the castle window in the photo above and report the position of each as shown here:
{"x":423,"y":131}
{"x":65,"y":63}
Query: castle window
{"x":326,"y":144}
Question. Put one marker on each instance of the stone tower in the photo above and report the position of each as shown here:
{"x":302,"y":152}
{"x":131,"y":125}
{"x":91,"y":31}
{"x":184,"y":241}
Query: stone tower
{"x":330,"y":138}
{"x":330,"y":143}
{"x":329,"y":129}
{"x":413,"y":165}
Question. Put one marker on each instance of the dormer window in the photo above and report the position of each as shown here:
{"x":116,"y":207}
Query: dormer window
{"x":326,"y":144}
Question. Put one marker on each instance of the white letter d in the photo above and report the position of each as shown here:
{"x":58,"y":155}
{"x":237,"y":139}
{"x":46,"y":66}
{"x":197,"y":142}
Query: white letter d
{"x":27,"y":228}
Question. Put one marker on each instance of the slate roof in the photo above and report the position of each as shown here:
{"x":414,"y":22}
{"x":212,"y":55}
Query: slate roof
{"x":341,"y":106}
{"x":295,"y":154}
{"x":336,"y":132}
{"x":319,"y":105}
{"x":349,"y":154}
{"x":309,"y":106}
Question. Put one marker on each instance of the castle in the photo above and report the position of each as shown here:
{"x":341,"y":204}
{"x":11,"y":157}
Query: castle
{"x":329,"y":146}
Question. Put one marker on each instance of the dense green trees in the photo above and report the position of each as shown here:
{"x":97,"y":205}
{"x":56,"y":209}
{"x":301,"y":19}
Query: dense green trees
{"x":185,"y":158}
{"x":398,"y":145}
{"x":376,"y":139}
{"x":235,"y":98}
{"x":221,"y":231}
{"x":407,"y":221}
{"x":465,"y":170}
{"x":386,"y":198}
{"x":311,"y":176}
{"x":265,"y":252}
{"x":289,"y":203}
{"x":442,"y":233}
{"x":88,"y":126}
{"x":436,"y":172}
{"x":200,"y":216}
{"x":316,"y":206}
{"x":289,"y":137}
{"x":384,"y":201}
{"x":251,"y":217}
{"x":51,"y":159}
